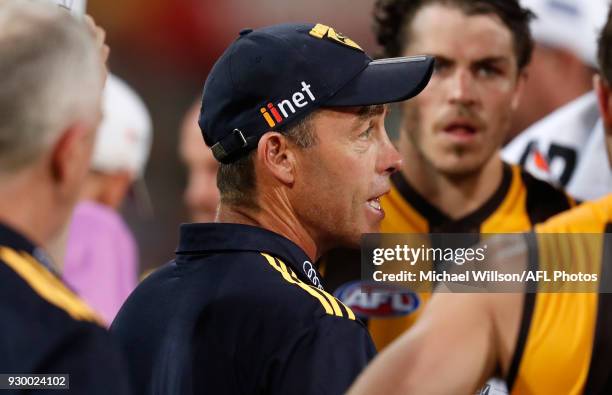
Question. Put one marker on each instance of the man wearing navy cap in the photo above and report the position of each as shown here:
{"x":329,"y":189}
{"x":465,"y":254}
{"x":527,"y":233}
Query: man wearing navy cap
{"x":295,"y":115}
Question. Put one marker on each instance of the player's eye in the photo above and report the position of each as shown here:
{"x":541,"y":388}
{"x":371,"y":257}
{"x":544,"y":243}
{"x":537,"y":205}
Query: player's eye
{"x":441,"y":65}
{"x":487,"y":70}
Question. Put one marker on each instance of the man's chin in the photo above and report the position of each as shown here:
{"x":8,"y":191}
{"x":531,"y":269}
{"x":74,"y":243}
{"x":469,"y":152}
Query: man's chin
{"x":460,"y":168}
{"x":350,"y":241}
{"x":372,"y":228}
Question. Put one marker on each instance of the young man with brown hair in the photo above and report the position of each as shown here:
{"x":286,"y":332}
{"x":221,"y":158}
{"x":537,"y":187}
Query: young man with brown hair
{"x":453,"y":179}
{"x":541,"y":343}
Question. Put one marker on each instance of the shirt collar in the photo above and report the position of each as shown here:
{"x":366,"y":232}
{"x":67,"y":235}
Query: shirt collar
{"x":12,"y":239}
{"x":227,"y":237}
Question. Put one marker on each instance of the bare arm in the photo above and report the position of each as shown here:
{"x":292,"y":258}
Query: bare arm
{"x":459,"y":342}
{"x":451,"y":349}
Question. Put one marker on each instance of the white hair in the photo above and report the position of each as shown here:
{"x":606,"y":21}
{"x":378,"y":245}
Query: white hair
{"x":51,"y":75}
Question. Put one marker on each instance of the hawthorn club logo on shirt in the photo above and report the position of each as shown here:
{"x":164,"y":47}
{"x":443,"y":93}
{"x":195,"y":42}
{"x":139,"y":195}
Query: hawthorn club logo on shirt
{"x":276,"y":114}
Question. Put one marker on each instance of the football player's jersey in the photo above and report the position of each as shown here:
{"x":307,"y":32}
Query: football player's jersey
{"x":520,"y":202}
{"x":566,"y":148}
{"x":565,"y":339}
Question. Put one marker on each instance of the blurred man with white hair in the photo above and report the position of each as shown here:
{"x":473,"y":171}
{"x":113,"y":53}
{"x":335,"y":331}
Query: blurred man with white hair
{"x":567,"y":145}
{"x":50,"y":106}
{"x":101,"y":261}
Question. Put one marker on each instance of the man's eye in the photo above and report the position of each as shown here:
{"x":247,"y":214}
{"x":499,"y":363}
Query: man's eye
{"x":487,"y":71}
{"x":366,"y":134}
{"x":440,"y":66}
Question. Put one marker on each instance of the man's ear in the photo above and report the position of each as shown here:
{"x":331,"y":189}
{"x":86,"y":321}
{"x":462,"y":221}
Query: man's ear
{"x":521,"y":81}
{"x":603,"y":99}
{"x":275,"y":154}
{"x":71,"y":155}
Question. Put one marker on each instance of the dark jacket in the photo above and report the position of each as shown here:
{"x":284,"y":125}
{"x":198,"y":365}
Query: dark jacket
{"x":241,"y":310}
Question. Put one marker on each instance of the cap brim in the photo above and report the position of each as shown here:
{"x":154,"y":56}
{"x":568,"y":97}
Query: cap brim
{"x":386,"y":81}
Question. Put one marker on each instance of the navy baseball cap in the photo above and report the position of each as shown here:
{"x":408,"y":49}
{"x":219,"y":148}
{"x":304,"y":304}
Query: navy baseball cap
{"x":271,"y":77}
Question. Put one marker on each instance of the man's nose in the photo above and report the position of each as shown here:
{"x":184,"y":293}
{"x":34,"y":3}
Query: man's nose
{"x":390,"y":159}
{"x":462,"y":88}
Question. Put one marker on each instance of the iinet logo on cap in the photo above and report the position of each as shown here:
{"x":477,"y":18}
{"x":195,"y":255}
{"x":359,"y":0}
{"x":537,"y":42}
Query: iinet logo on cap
{"x":287,"y":107}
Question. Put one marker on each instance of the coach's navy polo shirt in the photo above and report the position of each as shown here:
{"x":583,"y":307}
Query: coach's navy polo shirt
{"x":46,"y":329}
{"x":241,"y":310}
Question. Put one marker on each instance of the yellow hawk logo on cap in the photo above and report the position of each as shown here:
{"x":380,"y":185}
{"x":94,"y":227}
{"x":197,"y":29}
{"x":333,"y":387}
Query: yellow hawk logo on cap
{"x":323,"y":31}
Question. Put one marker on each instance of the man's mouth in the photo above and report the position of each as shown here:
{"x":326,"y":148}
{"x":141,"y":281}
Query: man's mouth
{"x":461,"y":128}
{"x":375,"y":204}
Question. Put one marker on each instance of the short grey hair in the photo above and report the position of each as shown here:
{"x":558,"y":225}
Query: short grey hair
{"x":237,"y":181}
{"x":51,"y":75}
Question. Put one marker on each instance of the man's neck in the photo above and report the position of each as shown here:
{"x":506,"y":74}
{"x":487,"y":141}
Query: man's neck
{"x":455,"y":196}
{"x":31,"y":217}
{"x":273,"y":216}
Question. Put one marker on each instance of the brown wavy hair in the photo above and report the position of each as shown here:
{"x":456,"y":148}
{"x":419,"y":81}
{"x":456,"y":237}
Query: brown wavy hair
{"x":392,"y":19}
{"x":604,"y":55}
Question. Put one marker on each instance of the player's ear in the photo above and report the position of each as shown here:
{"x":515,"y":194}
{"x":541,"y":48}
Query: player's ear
{"x":604,"y":103}
{"x":521,"y":81}
{"x":277,"y":156}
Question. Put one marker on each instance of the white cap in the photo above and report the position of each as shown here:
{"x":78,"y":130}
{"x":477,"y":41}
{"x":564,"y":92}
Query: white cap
{"x":570,"y":24}
{"x":77,"y":7}
{"x":124,"y":137}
